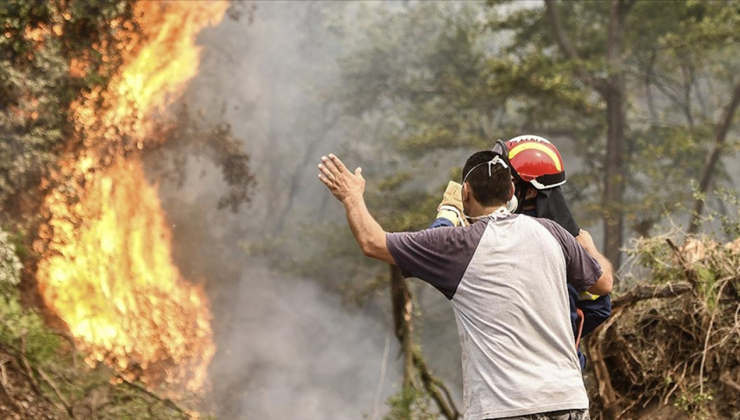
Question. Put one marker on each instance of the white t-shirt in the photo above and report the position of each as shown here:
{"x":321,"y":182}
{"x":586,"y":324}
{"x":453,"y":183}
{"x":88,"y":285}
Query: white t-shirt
{"x":506,"y":279}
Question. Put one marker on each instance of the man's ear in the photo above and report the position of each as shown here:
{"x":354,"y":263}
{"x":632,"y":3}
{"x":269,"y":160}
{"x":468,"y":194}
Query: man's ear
{"x":465,"y":192}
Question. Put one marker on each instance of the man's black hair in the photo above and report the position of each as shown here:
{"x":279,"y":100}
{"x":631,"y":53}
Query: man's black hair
{"x":487,"y":190}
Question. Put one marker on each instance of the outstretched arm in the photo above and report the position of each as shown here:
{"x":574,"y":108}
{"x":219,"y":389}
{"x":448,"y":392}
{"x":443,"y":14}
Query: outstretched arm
{"x":349,"y":188}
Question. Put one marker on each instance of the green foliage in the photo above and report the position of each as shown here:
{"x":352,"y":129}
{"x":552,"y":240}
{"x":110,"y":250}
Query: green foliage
{"x":410,"y":403}
{"x":419,"y":71}
{"x":53,"y":53}
{"x":19,"y":327}
{"x":730,"y":222}
{"x":25,"y":328}
{"x":693,"y":403}
{"x":431,"y":78}
{"x":10,"y":265}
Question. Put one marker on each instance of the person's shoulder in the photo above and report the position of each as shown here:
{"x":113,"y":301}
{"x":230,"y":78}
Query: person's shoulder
{"x":552,"y":226}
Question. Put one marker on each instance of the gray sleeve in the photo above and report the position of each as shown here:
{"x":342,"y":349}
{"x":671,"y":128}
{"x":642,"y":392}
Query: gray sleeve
{"x":582,"y":270}
{"x":438,"y":256}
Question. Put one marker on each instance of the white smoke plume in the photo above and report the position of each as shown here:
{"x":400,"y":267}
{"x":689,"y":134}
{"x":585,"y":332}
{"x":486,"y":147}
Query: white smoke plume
{"x":288,"y":347}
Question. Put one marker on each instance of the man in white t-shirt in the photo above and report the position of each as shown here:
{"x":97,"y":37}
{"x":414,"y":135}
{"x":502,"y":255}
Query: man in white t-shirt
{"x":506,"y":277}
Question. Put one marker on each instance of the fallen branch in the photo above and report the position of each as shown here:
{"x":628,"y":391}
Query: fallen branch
{"x":5,"y":384}
{"x":646,"y":291}
{"x":166,"y":401}
{"x":691,"y":275}
{"x":725,"y":378}
{"x":27,"y":366}
{"x":593,"y":346}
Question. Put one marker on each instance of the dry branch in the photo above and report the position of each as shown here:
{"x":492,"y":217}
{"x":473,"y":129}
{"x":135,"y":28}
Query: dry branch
{"x":679,"y":344}
{"x":691,"y":275}
{"x":5,"y":384}
{"x":725,"y":378}
{"x":646,"y":291}
{"x":433,"y":385}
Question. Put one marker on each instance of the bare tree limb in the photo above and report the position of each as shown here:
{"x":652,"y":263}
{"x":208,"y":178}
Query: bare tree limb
{"x":5,"y":385}
{"x":413,"y":362}
{"x":725,"y":378}
{"x":557,"y":27}
{"x":567,"y":47}
{"x":27,"y":365}
{"x":433,"y":386}
{"x":71,"y":340}
{"x":711,"y":163}
{"x":402,"y":305}
{"x":691,"y":275}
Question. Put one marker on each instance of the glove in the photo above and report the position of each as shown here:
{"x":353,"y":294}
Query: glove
{"x":587,"y":296}
{"x":451,"y":207}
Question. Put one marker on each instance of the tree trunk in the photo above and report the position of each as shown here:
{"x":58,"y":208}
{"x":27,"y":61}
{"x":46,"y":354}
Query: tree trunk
{"x":414,"y":367}
{"x":612,"y":89}
{"x":713,"y":158}
{"x":614,"y":176}
{"x":402,"y":306}
{"x":614,"y":95}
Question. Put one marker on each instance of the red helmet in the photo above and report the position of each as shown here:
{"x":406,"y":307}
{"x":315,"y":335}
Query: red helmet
{"x":537,"y":161}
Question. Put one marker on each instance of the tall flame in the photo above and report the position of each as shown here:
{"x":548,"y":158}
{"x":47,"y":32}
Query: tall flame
{"x":108,"y":271}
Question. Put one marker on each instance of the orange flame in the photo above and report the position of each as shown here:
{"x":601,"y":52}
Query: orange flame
{"x":108,"y":271}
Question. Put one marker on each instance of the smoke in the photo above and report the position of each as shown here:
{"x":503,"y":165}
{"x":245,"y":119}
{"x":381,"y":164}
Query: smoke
{"x":288,"y":346}
{"x":296,"y":351}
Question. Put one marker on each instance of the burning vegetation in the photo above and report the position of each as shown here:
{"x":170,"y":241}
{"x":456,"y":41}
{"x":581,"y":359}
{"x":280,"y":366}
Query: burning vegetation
{"x":106,"y":267}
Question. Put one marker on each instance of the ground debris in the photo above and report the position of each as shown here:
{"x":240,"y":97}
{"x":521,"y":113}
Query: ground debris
{"x":672,"y":346}
{"x":18,"y":398}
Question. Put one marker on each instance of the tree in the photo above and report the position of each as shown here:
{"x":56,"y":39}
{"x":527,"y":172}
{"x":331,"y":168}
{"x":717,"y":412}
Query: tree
{"x":612,"y":89}
{"x":627,"y":46}
{"x":54,"y":53}
{"x":624,"y":81}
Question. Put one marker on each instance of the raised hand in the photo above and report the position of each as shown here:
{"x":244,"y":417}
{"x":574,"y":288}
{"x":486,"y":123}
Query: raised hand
{"x":342,"y":183}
